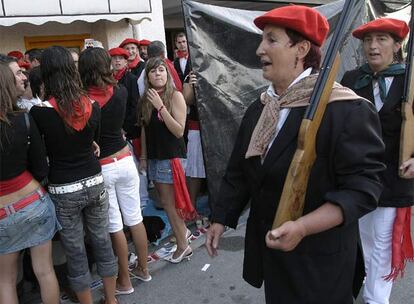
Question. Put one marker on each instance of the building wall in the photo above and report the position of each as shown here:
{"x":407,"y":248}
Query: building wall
{"x":150,"y":26}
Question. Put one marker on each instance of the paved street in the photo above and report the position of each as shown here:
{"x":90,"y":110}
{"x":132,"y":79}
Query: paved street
{"x":221,"y":283}
{"x":186,"y":283}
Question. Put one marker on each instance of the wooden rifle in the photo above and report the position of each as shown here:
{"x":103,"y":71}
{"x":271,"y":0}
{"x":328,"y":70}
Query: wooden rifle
{"x":407,"y":105}
{"x":292,"y":199}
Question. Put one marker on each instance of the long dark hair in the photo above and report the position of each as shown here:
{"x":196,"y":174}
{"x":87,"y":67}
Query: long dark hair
{"x":145,"y":109}
{"x":95,"y":68}
{"x":8,"y":98}
{"x":314,"y":56}
{"x":61,"y":80}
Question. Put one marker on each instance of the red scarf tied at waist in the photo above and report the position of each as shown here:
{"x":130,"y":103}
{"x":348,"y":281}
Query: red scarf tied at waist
{"x":402,"y":245}
{"x":183,"y":205}
{"x":134,"y":63}
{"x":82,"y":111}
{"x":100,"y":95}
{"x":119,"y":74}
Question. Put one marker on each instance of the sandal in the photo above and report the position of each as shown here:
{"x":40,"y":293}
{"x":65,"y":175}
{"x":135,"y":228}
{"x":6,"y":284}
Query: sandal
{"x":119,"y":292}
{"x":140,"y":277}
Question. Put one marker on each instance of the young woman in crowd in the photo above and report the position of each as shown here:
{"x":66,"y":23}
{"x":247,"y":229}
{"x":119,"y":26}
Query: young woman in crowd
{"x":70,"y":122}
{"x":162,"y":112}
{"x":118,"y":167}
{"x":27,"y":215}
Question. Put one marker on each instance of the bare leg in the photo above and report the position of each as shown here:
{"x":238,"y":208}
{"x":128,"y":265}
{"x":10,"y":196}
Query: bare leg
{"x":119,"y":243}
{"x":45,"y":274}
{"x":139,"y":237}
{"x":109,"y":284}
{"x":166,"y":192}
{"x":85,"y":296}
{"x":8,"y":277}
{"x":194,"y":185}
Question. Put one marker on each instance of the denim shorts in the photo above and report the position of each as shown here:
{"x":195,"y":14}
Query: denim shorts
{"x":85,"y":210}
{"x":159,"y":170}
{"x":30,"y":226}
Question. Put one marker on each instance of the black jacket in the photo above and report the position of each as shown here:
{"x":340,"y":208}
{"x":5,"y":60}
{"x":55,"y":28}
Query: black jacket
{"x":398,"y":192}
{"x":130,"y":81}
{"x":349,"y":153}
{"x":178,"y":69}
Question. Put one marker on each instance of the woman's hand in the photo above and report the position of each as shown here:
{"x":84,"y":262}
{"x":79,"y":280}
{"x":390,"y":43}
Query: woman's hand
{"x":96,"y":149}
{"x":407,"y":168}
{"x":214,"y":234}
{"x":286,"y":237}
{"x":154,"y":98}
{"x":142,"y":167}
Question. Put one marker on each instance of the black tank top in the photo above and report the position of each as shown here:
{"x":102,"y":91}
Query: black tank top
{"x":161,"y":143}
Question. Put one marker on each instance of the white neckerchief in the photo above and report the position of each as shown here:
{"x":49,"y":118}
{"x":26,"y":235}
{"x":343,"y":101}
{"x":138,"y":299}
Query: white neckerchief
{"x":376,"y":91}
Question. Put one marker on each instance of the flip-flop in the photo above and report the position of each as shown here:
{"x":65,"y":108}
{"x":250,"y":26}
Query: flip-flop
{"x":135,"y":276}
{"x":119,"y":292}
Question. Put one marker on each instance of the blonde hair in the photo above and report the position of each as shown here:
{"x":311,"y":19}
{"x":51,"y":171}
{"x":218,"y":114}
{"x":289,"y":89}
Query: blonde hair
{"x":145,"y":109}
{"x":8,"y":92}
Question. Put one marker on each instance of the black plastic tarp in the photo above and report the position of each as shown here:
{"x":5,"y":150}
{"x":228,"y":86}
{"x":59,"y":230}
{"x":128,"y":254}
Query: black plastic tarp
{"x":222,"y":44}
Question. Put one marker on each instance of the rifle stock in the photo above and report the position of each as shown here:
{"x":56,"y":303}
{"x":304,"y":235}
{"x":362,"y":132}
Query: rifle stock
{"x":292,"y":200}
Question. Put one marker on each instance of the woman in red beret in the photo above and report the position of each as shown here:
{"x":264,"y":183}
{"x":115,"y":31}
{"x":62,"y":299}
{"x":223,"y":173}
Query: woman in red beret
{"x":309,"y":260}
{"x":381,"y":80}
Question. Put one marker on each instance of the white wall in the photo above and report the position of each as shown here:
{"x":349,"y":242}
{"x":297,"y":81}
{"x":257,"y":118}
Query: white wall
{"x":150,"y":26}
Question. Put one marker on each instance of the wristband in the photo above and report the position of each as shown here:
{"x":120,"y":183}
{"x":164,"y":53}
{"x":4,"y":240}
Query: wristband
{"x":159,"y":113}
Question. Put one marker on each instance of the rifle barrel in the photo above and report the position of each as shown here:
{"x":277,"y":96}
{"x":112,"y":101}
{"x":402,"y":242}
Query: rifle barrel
{"x":329,"y":59}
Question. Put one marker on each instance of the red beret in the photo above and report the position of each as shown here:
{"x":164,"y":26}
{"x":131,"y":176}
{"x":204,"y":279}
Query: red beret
{"x":388,"y":25}
{"x":144,"y":42}
{"x":16,"y":54}
{"x":305,"y":20}
{"x":24,"y":64}
{"x":128,"y":41}
{"x":118,"y":52}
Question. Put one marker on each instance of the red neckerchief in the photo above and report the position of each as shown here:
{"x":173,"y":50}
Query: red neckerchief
{"x":181,"y":54}
{"x":402,"y":245}
{"x":134,"y":63}
{"x":118,"y":75}
{"x":175,"y":77}
{"x":100,"y":95}
{"x":183,"y":205}
{"x":80,"y":116}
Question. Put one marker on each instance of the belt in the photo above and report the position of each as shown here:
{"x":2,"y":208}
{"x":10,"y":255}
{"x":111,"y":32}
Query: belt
{"x":14,"y":207}
{"x":193,"y":125}
{"x":110,"y":160}
{"x":73,"y":187}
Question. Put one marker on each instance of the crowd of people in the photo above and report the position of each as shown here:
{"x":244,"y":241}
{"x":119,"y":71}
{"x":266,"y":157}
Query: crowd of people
{"x":81,"y":133}
{"x":77,"y":141}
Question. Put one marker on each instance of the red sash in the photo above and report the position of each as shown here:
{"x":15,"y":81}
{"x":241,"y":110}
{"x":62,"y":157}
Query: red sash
{"x":402,"y":245}
{"x":183,"y":205}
